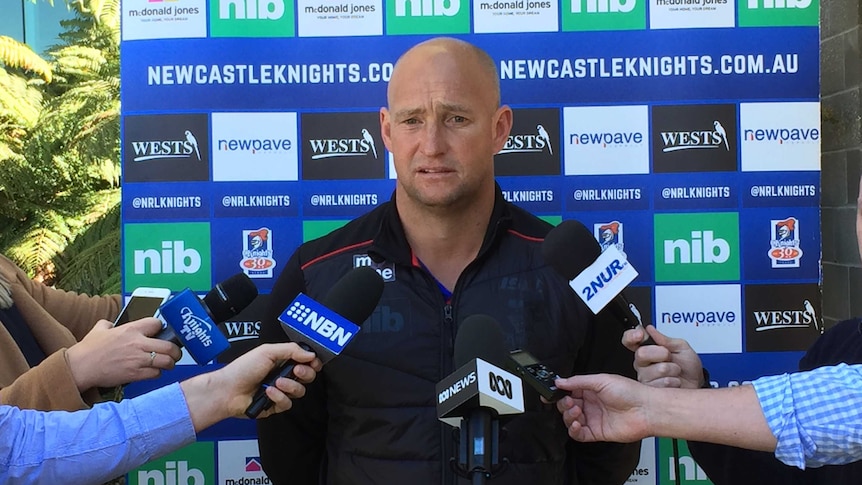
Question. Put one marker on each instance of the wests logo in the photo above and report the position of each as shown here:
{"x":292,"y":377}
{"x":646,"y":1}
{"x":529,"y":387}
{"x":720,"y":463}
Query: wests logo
{"x":696,"y":138}
{"x":166,"y":148}
{"x":533,"y":147}
{"x":782,"y":317}
{"x":340,"y":146}
{"x":243,"y":330}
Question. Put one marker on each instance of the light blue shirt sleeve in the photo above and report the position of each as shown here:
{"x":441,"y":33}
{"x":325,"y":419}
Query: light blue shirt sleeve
{"x":94,"y":445}
{"x":816,"y":416}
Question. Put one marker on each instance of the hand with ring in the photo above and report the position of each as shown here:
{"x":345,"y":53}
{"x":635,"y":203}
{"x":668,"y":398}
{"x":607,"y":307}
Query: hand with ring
{"x":111,"y":356}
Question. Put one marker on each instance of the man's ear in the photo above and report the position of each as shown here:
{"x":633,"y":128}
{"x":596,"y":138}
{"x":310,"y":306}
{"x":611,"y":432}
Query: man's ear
{"x":385,"y":128}
{"x":502,"y":126}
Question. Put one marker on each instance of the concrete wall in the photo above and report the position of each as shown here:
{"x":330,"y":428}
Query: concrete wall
{"x":841,"y":114}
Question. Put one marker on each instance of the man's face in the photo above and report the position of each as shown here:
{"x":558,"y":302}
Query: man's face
{"x":443,"y":127}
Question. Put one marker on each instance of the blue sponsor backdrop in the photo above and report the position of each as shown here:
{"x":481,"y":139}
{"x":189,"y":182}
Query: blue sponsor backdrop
{"x":169,"y":75}
{"x":256,"y":224}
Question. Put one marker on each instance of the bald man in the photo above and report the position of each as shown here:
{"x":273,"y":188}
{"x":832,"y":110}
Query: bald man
{"x":454,"y":248}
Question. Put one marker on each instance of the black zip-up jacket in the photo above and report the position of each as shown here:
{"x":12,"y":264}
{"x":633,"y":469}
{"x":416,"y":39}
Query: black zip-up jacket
{"x":370,"y":417}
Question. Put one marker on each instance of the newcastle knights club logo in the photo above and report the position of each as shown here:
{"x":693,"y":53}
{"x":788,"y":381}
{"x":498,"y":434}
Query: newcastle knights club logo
{"x":784,"y":250}
{"x":609,"y":234}
{"x":257,"y":260}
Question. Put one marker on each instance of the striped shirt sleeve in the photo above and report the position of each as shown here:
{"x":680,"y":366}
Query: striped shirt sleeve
{"x":816,"y":416}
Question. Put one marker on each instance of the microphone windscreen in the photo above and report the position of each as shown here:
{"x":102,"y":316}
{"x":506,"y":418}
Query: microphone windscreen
{"x":230,"y":297}
{"x":356,"y":294}
{"x":479,"y":337}
{"x":569,"y":248}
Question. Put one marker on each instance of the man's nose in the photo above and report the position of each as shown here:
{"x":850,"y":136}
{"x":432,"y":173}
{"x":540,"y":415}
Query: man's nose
{"x":433,"y":140}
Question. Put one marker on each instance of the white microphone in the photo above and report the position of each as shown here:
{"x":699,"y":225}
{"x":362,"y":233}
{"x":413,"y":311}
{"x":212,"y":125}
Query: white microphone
{"x":597,"y":277}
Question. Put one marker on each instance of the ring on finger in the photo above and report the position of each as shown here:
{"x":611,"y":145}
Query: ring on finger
{"x":152,"y":358}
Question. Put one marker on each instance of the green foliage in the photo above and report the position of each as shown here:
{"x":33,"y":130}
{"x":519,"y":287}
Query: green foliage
{"x":90,"y":263}
{"x":60,"y":151}
{"x":16,"y":55}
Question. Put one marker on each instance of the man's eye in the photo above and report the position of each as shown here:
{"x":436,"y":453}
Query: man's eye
{"x":459,"y":119}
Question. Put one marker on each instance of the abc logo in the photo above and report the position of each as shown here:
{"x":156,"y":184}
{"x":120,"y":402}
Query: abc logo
{"x":500,"y":385}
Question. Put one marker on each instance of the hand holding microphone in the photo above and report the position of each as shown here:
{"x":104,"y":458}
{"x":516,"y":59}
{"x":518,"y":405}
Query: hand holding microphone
{"x":597,"y":277}
{"x":192,"y":322}
{"x":671,"y":362}
{"x":324,"y":328}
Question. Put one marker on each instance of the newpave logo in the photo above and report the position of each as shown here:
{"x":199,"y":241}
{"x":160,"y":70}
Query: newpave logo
{"x":768,"y":13}
{"x":252,"y":18}
{"x":604,"y":15}
{"x":605,"y":140}
{"x":193,"y":464}
{"x":163,"y":255}
{"x":254,"y":146}
{"x":708,"y":317}
{"x":779,"y":136}
{"x":427,"y":17}
{"x":697,"y":246}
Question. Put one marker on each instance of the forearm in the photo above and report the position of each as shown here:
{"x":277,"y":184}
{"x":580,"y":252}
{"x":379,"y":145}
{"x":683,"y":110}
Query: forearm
{"x":205,"y":406}
{"x":729,"y":416}
{"x":94,"y":445}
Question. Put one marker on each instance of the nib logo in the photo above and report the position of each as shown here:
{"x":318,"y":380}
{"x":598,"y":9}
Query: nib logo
{"x":251,"y":18}
{"x":779,"y":3}
{"x":251,"y":9}
{"x":594,"y":6}
{"x":191,"y":465}
{"x":604,"y":15}
{"x":757,"y":13}
{"x":427,"y":17}
{"x":173,"y":256}
{"x":697,"y":247}
{"x":427,"y":8}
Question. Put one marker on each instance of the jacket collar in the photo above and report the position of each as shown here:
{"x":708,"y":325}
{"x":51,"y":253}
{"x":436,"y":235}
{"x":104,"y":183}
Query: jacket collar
{"x":390,"y":242}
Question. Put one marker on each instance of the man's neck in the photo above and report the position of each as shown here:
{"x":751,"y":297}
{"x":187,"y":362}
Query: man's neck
{"x":446,"y":240}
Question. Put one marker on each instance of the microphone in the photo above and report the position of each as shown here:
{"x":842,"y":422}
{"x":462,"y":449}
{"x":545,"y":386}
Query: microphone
{"x":597,"y":277}
{"x":192,"y":322}
{"x":475,"y":395}
{"x":324,"y":328}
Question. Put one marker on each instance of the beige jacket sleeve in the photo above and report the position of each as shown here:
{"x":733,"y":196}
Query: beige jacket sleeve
{"x":58,"y":319}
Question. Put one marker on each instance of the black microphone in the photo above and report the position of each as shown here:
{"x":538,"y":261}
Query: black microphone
{"x":324,"y":328}
{"x":597,"y":278}
{"x":476,"y":394}
{"x":192,"y":322}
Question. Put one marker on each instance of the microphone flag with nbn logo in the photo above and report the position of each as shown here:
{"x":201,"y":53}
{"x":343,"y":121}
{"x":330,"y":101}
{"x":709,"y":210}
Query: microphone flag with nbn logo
{"x":324,"y":330}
